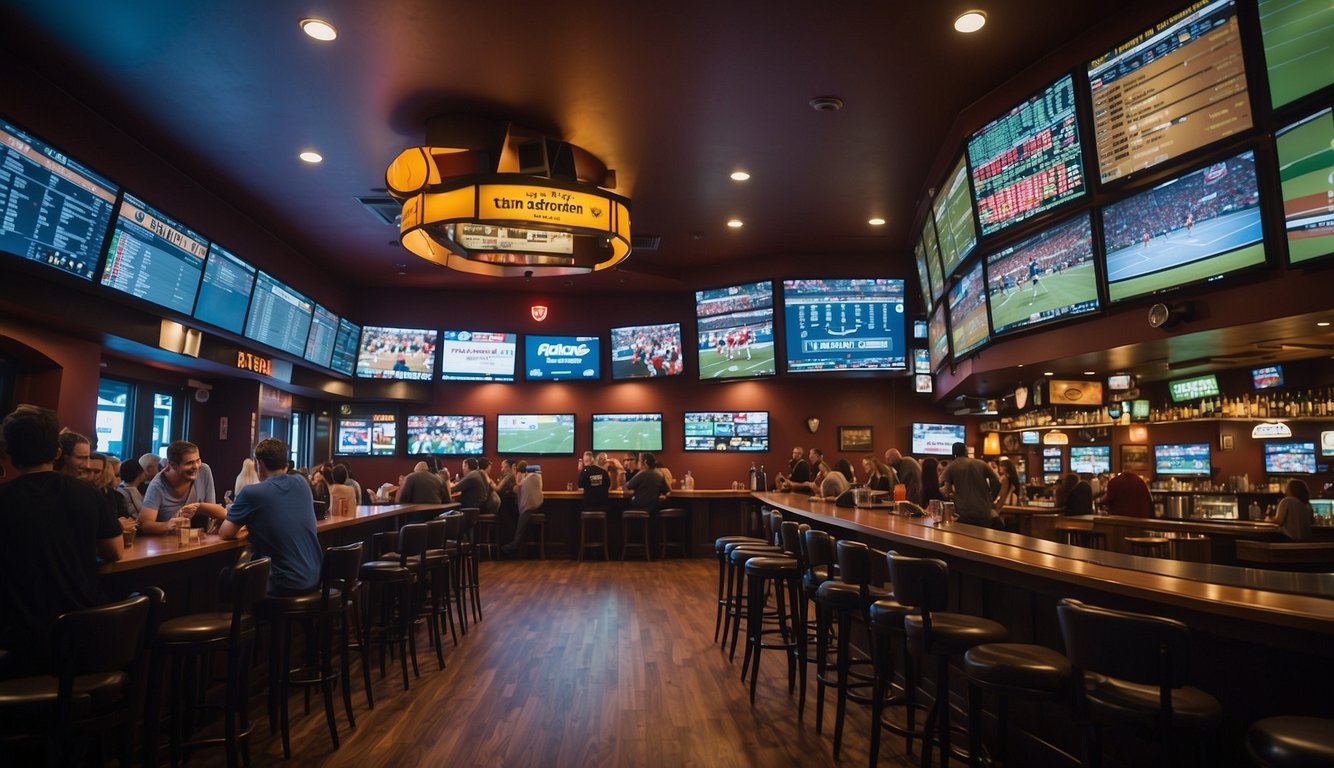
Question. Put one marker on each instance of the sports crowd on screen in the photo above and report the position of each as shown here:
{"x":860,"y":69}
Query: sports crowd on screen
{"x":1207,"y":194}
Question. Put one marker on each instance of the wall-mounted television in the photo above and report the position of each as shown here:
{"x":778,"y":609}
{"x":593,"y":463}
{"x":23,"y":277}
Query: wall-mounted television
{"x":323,"y":333}
{"x":407,"y":354}
{"x":224,"y":294}
{"x":1290,"y":458}
{"x":1305,"y":157}
{"x":563,"y":358}
{"x":1139,"y":410}
{"x":1053,"y":461}
{"x":153,"y":257}
{"x":1042,"y":279}
{"x":1120,"y":382}
{"x":647,"y":351}
{"x":855,"y":324}
{"x":935,"y":271}
{"x":921,"y":361}
{"x":956,"y":231}
{"x":1030,"y":438}
{"x":1267,"y":377}
{"x":923,"y":383}
{"x":727,"y":431}
{"x":1197,"y":227}
{"x":1296,"y":35}
{"x":278,"y":316}
{"x":919,"y":327}
{"x":1176,"y":88}
{"x":368,"y":435}
{"x":444,"y":435}
{"x":923,"y":279}
{"x":1194,"y":388}
{"x":477,"y":355}
{"x":344,"y":358}
{"x":935,"y":439}
{"x":938,"y":338}
{"x":736,"y":331}
{"x":1182,"y":459}
{"x":535,"y":434}
{"x":968,"y":312}
{"x":627,"y":431}
{"x":65,"y":226}
{"x":1090,"y":459}
{"x":1028,"y":160}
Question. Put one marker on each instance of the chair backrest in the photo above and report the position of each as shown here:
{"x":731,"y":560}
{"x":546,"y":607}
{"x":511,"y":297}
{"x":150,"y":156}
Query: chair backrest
{"x":436,"y":533}
{"x":1143,"y":649}
{"x":879,"y":567}
{"x":340,"y":570}
{"x":103,"y":638}
{"x":247,"y":584}
{"x":791,"y":535}
{"x":819,"y":549}
{"x":854,"y":562}
{"x":455,"y":522}
{"x":920,"y":582}
{"x":411,"y":540}
{"x":467,"y":520}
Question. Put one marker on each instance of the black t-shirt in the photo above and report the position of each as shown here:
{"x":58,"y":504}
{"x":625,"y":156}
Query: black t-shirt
{"x":647,"y":485}
{"x":48,"y":557}
{"x":596,"y":482}
{"x":800,"y":472}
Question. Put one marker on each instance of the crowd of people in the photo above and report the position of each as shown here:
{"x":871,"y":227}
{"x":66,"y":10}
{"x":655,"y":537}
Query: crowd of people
{"x":1198,"y":197}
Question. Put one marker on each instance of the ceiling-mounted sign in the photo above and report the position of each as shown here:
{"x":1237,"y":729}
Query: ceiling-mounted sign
{"x":1270,"y":429}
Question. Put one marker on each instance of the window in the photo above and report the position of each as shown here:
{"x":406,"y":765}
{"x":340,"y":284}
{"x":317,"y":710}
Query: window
{"x":114,"y":413}
{"x":134,"y":418}
{"x":164,"y":422}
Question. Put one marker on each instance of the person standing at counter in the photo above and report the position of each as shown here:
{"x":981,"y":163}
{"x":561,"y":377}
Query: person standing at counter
{"x":909,"y":473}
{"x":1295,"y":515}
{"x":473,"y":488}
{"x":1074,"y":496}
{"x":595,"y":482}
{"x":1009,"y":489}
{"x":1128,"y":495}
{"x":184,"y":488}
{"x":973,"y":485}
{"x":930,"y":481}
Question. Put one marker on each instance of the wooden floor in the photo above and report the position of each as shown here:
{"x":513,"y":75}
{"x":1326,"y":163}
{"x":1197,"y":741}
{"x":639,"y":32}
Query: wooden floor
{"x":592,"y":664}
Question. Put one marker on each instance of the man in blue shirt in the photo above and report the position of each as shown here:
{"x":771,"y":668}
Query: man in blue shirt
{"x":279,"y":512}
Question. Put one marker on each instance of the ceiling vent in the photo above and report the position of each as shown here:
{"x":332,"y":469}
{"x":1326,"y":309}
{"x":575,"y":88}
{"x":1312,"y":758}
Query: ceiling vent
{"x":384,"y":208}
{"x":644,"y":243}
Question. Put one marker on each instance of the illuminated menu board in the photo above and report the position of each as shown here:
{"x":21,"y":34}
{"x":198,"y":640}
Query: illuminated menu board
{"x":953,"y":211}
{"x":1027,"y":161}
{"x":1298,"y":54}
{"x":345,"y":346}
{"x":53,"y":210}
{"x":153,"y":257}
{"x":320,"y":341}
{"x":1175,"y":88}
{"x":278,"y":316}
{"x":224,"y":296}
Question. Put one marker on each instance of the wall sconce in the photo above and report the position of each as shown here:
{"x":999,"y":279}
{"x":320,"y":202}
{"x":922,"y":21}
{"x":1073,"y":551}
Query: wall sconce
{"x":991,"y":444}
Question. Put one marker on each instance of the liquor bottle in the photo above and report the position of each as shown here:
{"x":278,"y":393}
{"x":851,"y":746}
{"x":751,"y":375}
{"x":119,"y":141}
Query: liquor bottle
{"x":754,"y":477}
{"x":689,"y":481}
{"x":763,"y":479}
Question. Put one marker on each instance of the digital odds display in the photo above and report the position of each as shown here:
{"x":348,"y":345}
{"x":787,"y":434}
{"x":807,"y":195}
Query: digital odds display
{"x":224,"y":295}
{"x":853,"y":324}
{"x":563,"y":358}
{"x":278,"y":315}
{"x":477,"y":355}
{"x":344,"y":358}
{"x":323,"y":332}
{"x":153,"y":257}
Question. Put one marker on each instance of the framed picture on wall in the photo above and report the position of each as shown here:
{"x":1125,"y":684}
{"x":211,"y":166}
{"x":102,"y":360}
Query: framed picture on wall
{"x":1135,"y":458}
{"x":854,"y":439}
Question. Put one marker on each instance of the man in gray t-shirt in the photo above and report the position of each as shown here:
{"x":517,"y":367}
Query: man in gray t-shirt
{"x":184,"y":487}
{"x":973,"y":486}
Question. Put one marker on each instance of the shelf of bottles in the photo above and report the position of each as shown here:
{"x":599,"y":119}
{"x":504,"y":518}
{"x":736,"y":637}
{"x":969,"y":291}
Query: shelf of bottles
{"x":1261,"y":406}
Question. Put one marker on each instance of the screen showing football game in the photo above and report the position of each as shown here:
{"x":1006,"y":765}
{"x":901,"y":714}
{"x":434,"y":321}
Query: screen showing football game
{"x":535,"y":434}
{"x":1028,"y":160}
{"x":727,"y":431}
{"x":1045,"y":278}
{"x":627,"y":431}
{"x":373,"y":435}
{"x":1267,"y":377}
{"x":938,"y":337}
{"x":852,"y":324}
{"x":923,"y":278}
{"x":153,"y":257}
{"x":1306,"y":170}
{"x":224,"y":295}
{"x":736,"y":331}
{"x":477,"y":355}
{"x":1090,"y":459}
{"x":323,"y":332}
{"x":1176,"y":88}
{"x":935,"y":439}
{"x":935,"y":273}
{"x":396,"y":353}
{"x":278,"y":316}
{"x":953,"y":212}
{"x":968,"y":312}
{"x":1195,"y":227}
{"x":53,"y":209}
{"x":344,"y":358}
{"x":563,"y":358}
{"x":1186,"y":459}
{"x":646,"y":351}
{"x":445,"y":435}
{"x":1297,"y":35}
{"x":1290,"y":458}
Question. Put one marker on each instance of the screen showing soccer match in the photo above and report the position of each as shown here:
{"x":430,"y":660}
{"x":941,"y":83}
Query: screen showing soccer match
{"x":727,"y":431}
{"x":373,"y":435}
{"x":345,"y":347}
{"x":646,"y":351}
{"x":153,"y":257}
{"x":1044,"y":278}
{"x":445,"y":435}
{"x":396,"y":353}
{"x":1296,"y":36}
{"x":323,"y":332}
{"x":1196,"y":227}
{"x":535,"y":434}
{"x":1173,"y":89}
{"x":1188,"y":459}
{"x":1306,"y":170}
{"x":736,"y":331}
{"x":53,"y":209}
{"x":1290,"y":458}
{"x":1090,"y":459}
{"x":968,"y":312}
{"x":477,"y":355}
{"x":953,"y":211}
{"x":935,"y":439}
{"x":563,"y":358}
{"x":278,"y":315}
{"x":627,"y":432}
{"x":852,"y":324}
{"x":1028,"y":160}
{"x":224,"y":295}
{"x":938,"y":338}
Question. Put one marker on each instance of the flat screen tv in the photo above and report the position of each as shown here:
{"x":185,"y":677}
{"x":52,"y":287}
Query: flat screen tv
{"x":1027,"y":161}
{"x":344,"y":358}
{"x":919,"y":330}
{"x":1052,"y":460}
{"x":923,"y":383}
{"x":1290,"y":458}
{"x":1194,"y":388}
{"x":647,"y":351}
{"x":1043,"y":279}
{"x":278,"y":316}
{"x":563,"y":358}
{"x":56,"y":210}
{"x":1139,"y":410}
{"x":727,"y":431}
{"x":968,"y":312}
{"x":1182,"y":459}
{"x":921,"y":361}
{"x":440,"y":435}
{"x":368,"y":435}
{"x":855,"y":324}
{"x":935,"y":439}
{"x":535,"y":434}
{"x":1090,"y":459}
{"x":935,"y":272}
{"x":224,"y":294}
{"x":1193,"y":228}
{"x":323,"y":334}
{"x":153,"y":257}
{"x":1120,"y":382}
{"x":745,"y":315}
{"x":938,"y":338}
{"x":627,"y":431}
{"x":956,"y":231}
{"x":923,"y":279}
{"x":1030,"y":438}
{"x":1296,"y":35}
{"x":477,"y":355}
{"x":1305,"y":157}
{"x":1267,"y":377}
{"x":396,"y":353}
{"x":1176,"y":88}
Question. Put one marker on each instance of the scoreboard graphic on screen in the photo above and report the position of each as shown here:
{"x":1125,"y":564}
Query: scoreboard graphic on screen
{"x":844,"y":324}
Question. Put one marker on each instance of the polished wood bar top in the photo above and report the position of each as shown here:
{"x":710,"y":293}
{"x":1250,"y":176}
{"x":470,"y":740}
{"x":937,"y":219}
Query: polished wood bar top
{"x":1272,"y":598}
{"x":1189,"y":525}
{"x":677,"y":493}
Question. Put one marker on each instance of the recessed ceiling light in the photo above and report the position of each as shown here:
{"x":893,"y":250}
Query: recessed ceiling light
{"x":876,"y":222}
{"x":740,"y":176}
{"x":311,"y":157}
{"x":1323,"y":323}
{"x":735,"y":223}
{"x":970,"y":21}
{"x":1048,"y":373}
{"x":320,"y":29}
{"x":1090,"y":373}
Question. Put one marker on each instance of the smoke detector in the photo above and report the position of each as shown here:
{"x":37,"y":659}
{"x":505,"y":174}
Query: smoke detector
{"x":826,"y":104}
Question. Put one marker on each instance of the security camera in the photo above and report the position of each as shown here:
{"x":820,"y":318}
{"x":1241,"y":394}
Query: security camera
{"x":528,"y":273}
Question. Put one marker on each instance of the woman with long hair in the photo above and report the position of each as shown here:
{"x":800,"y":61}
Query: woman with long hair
{"x":1009,"y":490}
{"x":247,"y":476}
{"x":1295,"y":515}
{"x":931,"y":481}
{"x":1074,"y":496}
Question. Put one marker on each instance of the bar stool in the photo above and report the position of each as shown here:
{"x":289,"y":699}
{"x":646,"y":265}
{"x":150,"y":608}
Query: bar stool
{"x":640,"y":518}
{"x":784,"y":574}
{"x":537,"y":535}
{"x":391,"y":584}
{"x":720,"y":549}
{"x":737,"y":555}
{"x":445,"y":557}
{"x":468,"y":582}
{"x":1149,"y":546}
{"x":1010,"y":669}
{"x":596,"y":520}
{"x":819,"y":556}
{"x":429,"y":562}
{"x":666,"y":518}
{"x":1291,"y":742}
{"x":1141,"y":678}
{"x":487,"y":526}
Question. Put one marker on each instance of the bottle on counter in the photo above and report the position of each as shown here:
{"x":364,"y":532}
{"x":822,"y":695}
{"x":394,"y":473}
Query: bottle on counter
{"x":688,"y":483}
{"x":1253,"y":511}
{"x":763,"y":479}
{"x":754,"y":477}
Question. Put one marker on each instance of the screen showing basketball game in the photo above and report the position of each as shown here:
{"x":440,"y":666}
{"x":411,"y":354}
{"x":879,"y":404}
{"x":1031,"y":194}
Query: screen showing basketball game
{"x":1306,"y":170}
{"x":968,"y":312}
{"x":938,"y":338}
{"x":953,"y":212}
{"x":1175,"y":88}
{"x":278,"y":315}
{"x":535,"y":434}
{"x":627,"y":431}
{"x":373,"y":435}
{"x":736,"y":331}
{"x":153,"y":257}
{"x":852,"y":324}
{"x":727,"y":431}
{"x":563,"y":358}
{"x":1028,"y":160}
{"x":1298,"y":54}
{"x":1044,"y":278}
{"x":224,"y":295}
{"x":647,"y":351}
{"x":477,"y":355}
{"x":1193,"y":228}
{"x":396,"y":353}
{"x":445,"y":435}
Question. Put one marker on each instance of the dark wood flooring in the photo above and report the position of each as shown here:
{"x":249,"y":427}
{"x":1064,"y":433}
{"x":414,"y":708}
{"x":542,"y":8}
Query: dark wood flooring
{"x":591,"y":664}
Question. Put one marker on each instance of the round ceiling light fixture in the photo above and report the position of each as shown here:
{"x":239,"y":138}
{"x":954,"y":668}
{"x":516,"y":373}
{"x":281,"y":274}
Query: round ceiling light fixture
{"x":319,"y":29}
{"x":826,"y":103}
{"x":740,"y":176}
{"x":969,"y":22}
{"x":312,"y":157}
{"x":876,"y":222}
{"x":736,"y":223}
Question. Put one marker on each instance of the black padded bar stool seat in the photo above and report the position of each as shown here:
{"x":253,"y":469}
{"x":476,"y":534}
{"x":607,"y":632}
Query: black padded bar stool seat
{"x":785,"y":573}
{"x":635,"y":517}
{"x":668,"y":518}
{"x":1132,"y":702}
{"x":1010,"y":669}
{"x":1291,"y":742}
{"x":953,"y":633}
{"x":1149,"y":546}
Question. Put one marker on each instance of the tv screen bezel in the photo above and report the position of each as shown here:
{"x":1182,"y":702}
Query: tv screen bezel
{"x":912,"y":437}
{"x":1208,"y":449}
{"x":456,"y":376}
{"x":531,"y":338}
{"x":435,"y":353}
{"x":768,"y":434}
{"x":574,"y":422}
{"x":680,"y":351}
{"x":407,"y":432}
{"x":593,"y":422}
{"x":902,"y":338}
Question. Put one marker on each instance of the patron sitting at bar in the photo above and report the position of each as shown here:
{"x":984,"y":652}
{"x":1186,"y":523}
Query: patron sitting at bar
{"x":181,"y":490}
